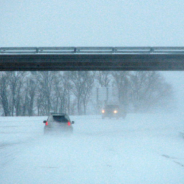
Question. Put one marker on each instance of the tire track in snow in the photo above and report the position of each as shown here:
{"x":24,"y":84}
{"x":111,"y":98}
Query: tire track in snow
{"x":173,"y":159}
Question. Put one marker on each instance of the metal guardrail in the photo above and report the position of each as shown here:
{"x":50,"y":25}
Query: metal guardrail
{"x":91,"y":50}
{"x":91,"y":58}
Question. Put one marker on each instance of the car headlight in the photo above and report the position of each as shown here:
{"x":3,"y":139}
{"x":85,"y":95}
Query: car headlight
{"x":103,"y":111}
{"x":115,"y":111}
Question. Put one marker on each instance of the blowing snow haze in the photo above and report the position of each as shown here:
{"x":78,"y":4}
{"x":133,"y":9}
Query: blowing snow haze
{"x":95,"y":23}
{"x":145,"y":147}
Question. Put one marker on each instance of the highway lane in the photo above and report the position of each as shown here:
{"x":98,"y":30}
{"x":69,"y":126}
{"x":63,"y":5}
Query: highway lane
{"x":139,"y":149}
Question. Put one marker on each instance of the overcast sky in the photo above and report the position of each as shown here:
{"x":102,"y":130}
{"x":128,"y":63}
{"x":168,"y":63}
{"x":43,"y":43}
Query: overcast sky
{"x":91,"y":23}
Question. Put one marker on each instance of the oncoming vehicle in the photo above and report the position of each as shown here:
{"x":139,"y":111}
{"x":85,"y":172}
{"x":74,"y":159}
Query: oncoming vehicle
{"x":111,"y":111}
{"x":58,"y":123}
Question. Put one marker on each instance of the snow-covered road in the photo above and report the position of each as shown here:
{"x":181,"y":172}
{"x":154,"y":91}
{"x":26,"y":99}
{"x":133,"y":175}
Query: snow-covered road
{"x":140,"y":149}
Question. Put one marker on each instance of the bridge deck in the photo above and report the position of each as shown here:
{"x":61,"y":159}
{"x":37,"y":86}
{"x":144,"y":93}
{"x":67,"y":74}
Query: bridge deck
{"x":91,"y":58}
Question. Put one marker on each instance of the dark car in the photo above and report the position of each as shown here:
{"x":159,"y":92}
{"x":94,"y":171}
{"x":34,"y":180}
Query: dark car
{"x":58,"y":123}
{"x":111,"y":111}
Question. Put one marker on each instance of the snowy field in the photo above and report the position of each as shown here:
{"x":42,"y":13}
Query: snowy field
{"x":140,"y":149}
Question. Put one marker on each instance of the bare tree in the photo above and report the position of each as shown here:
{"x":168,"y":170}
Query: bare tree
{"x":148,"y":89}
{"x":103,"y":78}
{"x":90,"y":76}
{"x":4,"y":94}
{"x":82,"y":84}
{"x":29,"y":96}
{"x":45,"y":89}
{"x":62,"y":91}
{"x":67,"y":86}
{"x":15,"y":86}
{"x":22,"y":93}
{"x":121,"y":80}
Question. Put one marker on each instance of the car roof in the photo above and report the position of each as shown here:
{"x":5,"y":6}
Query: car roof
{"x":111,"y":105}
{"x":58,"y":114}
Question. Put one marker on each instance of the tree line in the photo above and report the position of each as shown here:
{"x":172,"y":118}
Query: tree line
{"x":41,"y":92}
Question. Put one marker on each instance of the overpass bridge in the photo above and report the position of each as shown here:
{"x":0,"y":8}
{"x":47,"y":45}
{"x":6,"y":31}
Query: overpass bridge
{"x":91,"y":58}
